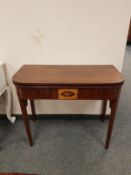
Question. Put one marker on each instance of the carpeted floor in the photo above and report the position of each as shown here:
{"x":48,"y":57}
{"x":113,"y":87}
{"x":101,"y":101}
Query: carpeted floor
{"x":71,"y":147}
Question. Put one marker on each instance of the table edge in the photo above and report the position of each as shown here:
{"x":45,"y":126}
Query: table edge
{"x":69,"y":84}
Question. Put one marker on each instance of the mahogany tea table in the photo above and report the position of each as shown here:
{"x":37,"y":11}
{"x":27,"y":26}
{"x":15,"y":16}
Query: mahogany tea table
{"x":69,"y":82}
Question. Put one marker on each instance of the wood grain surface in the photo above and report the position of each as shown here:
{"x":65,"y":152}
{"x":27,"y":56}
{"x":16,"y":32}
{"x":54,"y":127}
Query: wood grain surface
{"x":71,"y":74}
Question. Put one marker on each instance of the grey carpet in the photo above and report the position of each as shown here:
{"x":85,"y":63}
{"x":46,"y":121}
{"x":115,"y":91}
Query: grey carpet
{"x":71,"y":147}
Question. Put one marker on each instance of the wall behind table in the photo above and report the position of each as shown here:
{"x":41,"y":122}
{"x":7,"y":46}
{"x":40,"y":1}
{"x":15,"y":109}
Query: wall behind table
{"x":62,"y":32}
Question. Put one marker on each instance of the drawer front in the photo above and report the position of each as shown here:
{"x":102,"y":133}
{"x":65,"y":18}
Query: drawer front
{"x":98,"y":93}
{"x":67,"y":93}
{"x":37,"y":93}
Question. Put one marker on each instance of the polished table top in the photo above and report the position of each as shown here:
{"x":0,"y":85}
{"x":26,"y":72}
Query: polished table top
{"x":68,"y":74}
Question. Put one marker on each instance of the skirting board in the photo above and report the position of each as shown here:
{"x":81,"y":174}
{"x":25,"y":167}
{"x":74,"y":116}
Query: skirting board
{"x":58,"y":117}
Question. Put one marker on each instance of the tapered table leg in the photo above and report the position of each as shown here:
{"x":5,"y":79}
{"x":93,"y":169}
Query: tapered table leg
{"x":23,"y":104}
{"x":104,"y":104}
{"x":33,"y":109}
{"x":113,"y":105}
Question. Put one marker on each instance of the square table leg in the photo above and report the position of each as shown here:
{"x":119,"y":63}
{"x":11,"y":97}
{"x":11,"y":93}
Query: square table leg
{"x":113,"y":105}
{"x":23,"y":104}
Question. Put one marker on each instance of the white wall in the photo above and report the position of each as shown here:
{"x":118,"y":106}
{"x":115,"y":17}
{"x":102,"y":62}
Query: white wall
{"x":62,"y":32}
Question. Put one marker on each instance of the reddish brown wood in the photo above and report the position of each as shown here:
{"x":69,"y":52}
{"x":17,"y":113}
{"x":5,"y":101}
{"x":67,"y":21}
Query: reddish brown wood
{"x":67,"y":75}
{"x":23,"y":104}
{"x":102,"y":82}
{"x":84,"y":92}
{"x":113,"y":105}
{"x":103,"y":110}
